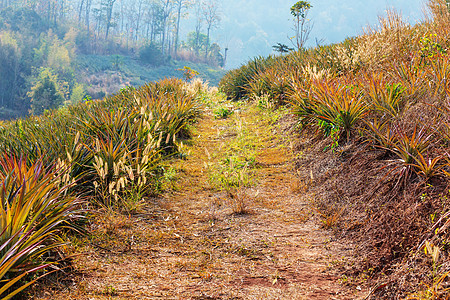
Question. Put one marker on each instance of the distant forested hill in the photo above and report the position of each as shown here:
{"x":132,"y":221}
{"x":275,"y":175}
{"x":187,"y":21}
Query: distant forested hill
{"x":59,"y":52}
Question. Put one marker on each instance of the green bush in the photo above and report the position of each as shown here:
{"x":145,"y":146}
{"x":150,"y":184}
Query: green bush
{"x":151,"y":55}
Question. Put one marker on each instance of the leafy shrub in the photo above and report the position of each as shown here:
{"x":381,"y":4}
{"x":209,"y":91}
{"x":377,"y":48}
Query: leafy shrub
{"x":332,"y":102}
{"x":151,"y":55}
{"x":222,"y":113}
{"x":271,"y":83}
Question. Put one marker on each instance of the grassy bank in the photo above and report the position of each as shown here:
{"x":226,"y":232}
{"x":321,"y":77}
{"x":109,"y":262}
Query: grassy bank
{"x":104,"y":154}
{"x":376,"y":108}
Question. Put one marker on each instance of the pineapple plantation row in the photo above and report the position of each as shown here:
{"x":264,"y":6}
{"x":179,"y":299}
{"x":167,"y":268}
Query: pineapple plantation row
{"x":385,"y":95}
{"x":56,"y":167}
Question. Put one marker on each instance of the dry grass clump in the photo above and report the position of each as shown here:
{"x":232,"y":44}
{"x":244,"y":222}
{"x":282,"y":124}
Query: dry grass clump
{"x":381,"y":101}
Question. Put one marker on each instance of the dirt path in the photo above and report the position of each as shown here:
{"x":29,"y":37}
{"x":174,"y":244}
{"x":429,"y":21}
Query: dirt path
{"x":189,"y":244}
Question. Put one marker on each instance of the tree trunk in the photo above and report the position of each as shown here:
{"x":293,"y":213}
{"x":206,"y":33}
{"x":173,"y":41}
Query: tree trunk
{"x":207,"y":43}
{"x":165,"y":17}
{"x":198,"y":26}
{"x":152,"y":33}
{"x":138,"y":20}
{"x":80,"y":11}
{"x":177,"y":31}
{"x":109,"y":11}
{"x":61,"y":11}
{"x":88,"y":12}
{"x":197,"y":38}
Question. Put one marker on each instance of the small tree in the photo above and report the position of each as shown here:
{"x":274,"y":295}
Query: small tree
{"x":302,"y":25}
{"x":188,"y":73}
{"x":180,"y":5}
{"x":212,"y":18}
{"x":45,"y":94}
{"x":196,"y":42}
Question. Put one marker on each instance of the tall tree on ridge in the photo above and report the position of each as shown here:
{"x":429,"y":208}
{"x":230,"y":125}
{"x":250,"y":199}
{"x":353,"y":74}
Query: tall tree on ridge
{"x":179,"y":5}
{"x":109,"y":5}
{"x":212,"y":19}
{"x":198,"y":24}
{"x":302,"y":25}
{"x":166,"y":12}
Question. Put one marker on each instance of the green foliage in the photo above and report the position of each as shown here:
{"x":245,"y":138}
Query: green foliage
{"x":117,"y":61}
{"x":9,"y":66}
{"x":215,"y":56}
{"x":23,"y":19}
{"x":31,"y":40}
{"x":332,"y":131}
{"x":332,"y":102}
{"x":45,"y":94}
{"x":300,"y":9}
{"x":26,"y":47}
{"x":235,"y":168}
{"x":197,"y":43}
{"x":152,"y":55}
{"x":222,"y":113}
{"x":138,"y":74}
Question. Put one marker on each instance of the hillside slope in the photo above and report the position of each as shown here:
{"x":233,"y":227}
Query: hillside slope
{"x":106,"y":74}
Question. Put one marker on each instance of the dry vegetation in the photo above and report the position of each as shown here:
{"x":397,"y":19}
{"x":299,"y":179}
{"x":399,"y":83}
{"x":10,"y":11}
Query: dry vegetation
{"x":329,"y":179}
{"x":378,"y":105}
{"x":102,"y":155}
{"x":231,"y":223}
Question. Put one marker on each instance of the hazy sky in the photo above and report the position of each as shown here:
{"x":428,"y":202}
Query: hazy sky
{"x":249,"y":28}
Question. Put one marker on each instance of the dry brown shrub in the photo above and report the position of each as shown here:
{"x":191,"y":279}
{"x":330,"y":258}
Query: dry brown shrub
{"x":391,"y":40}
{"x":239,"y":202}
{"x":438,"y":17}
{"x":354,"y":196}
